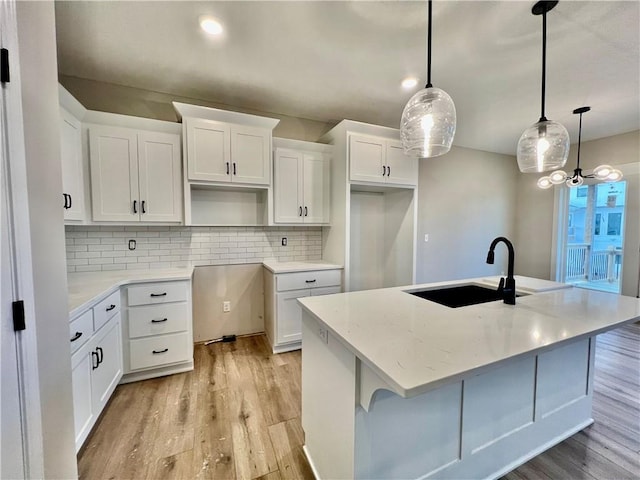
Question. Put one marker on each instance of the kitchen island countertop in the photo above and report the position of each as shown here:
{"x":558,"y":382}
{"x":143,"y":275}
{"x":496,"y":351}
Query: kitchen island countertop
{"x":415,"y":345}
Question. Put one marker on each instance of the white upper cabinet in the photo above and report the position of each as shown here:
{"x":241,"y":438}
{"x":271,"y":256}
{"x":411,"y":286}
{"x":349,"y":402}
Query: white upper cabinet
{"x":380,"y":160}
{"x":208,"y":150}
{"x":401,"y":169}
{"x":367,"y":157}
{"x":71,"y":156}
{"x":135,"y":175}
{"x":220,"y":152}
{"x":301,"y":187}
{"x":316,"y":187}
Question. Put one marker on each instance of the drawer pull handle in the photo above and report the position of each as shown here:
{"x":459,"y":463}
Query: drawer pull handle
{"x":159,"y":294}
{"x":160,"y":351}
{"x":310,"y":281}
{"x":159,"y":320}
{"x":76,"y":336}
{"x":110,"y":307}
{"x":97,"y":363}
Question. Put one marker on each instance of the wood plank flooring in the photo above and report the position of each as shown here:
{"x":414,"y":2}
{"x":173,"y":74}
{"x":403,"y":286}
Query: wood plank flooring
{"x":237,"y":415}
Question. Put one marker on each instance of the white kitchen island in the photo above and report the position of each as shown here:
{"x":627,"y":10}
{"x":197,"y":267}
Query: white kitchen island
{"x":395,"y":386}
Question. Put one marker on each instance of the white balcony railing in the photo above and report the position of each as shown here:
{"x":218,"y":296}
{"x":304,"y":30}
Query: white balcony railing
{"x":584,"y":264}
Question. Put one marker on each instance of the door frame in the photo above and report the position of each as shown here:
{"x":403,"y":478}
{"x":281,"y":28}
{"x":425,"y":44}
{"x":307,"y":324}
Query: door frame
{"x":560,"y":216}
{"x":20,"y":251}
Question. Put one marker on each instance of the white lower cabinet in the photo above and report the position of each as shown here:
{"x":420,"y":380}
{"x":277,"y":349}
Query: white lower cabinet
{"x":158,"y":335}
{"x":283,"y":314}
{"x":96,"y":366}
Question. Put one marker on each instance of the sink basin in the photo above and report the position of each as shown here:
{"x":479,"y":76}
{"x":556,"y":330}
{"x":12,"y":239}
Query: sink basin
{"x":459,"y":296}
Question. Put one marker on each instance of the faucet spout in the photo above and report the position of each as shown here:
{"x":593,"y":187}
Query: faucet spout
{"x":509,"y":290}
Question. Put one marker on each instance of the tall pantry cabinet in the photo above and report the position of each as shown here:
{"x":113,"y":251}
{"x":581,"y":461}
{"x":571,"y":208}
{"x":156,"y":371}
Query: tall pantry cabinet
{"x":373,"y":207}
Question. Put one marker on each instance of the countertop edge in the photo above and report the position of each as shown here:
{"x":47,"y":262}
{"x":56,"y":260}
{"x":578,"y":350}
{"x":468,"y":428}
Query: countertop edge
{"x":131,"y":277}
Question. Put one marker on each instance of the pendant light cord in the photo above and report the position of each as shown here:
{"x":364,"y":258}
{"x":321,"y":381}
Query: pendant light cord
{"x":544,"y":65}
{"x":429,"y":45}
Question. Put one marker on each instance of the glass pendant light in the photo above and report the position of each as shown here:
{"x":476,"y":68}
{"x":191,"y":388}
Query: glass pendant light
{"x":428,"y":121}
{"x":545,"y":145}
{"x":605,"y":173}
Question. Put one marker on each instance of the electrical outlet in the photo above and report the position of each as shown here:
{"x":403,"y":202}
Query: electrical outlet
{"x":426,"y":237}
{"x":284,"y":241}
{"x":132,"y":244}
{"x":324,"y":334}
{"x":226,"y":306}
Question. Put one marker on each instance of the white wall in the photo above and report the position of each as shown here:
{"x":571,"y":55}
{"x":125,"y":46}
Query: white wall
{"x":466,"y":198}
{"x":109,"y":97}
{"x":39,"y":81}
{"x":96,"y":248}
{"x":243,"y":286}
{"x":534,"y":224}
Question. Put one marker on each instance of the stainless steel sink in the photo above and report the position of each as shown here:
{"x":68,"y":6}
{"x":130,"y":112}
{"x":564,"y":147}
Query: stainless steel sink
{"x":459,"y":296}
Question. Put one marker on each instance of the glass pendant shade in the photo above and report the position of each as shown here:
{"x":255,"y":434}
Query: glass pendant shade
{"x":428,"y":123}
{"x":542,"y":147}
{"x":602,"y":172}
{"x":557,"y":177}
{"x":545,"y":182}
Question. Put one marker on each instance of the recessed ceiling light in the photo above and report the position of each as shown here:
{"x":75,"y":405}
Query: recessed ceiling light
{"x":409,"y":82}
{"x":210,"y":25}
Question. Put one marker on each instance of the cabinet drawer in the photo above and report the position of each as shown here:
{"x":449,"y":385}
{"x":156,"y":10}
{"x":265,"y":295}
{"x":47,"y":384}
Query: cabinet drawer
{"x":106,"y":309}
{"x":312,"y":279}
{"x":153,"y":293}
{"x":160,"y":350}
{"x":158,"y":319}
{"x":80,"y":330}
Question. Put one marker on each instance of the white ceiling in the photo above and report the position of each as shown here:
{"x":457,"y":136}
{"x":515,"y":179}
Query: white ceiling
{"x":328,"y":61}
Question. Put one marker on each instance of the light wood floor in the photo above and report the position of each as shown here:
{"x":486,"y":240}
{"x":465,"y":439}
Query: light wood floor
{"x":237,"y":415}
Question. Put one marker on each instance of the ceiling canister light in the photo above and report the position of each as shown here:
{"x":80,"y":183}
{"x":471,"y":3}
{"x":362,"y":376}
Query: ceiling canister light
{"x":210,"y":25}
{"x":428,"y":122}
{"x":604,"y":173}
{"x":545,"y":145}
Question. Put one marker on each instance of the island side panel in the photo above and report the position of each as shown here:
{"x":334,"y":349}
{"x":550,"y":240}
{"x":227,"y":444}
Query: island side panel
{"x":328,"y":401}
{"x":482,"y":427}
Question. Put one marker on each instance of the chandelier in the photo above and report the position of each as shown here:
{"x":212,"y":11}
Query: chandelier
{"x":604,"y":173}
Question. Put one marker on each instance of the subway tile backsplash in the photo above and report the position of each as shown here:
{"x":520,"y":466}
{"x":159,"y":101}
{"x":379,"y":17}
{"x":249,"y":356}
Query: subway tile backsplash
{"x":98,"y":248}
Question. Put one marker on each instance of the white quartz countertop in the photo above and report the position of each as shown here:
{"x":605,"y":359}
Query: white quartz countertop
{"x":89,"y":287}
{"x":288,"y":267}
{"x":415,"y":345}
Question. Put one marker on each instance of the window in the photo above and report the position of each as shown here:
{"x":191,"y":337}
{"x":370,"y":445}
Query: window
{"x":582,"y":192}
{"x":598,"y":223}
{"x":614,"y":223}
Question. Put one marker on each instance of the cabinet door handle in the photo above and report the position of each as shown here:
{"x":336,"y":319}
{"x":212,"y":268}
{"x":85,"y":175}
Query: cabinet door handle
{"x":135,"y":206}
{"x":384,"y":170}
{"x":300,"y":214}
{"x":310,"y":281}
{"x":142,"y":205}
{"x":160,"y":320}
{"x":76,"y":336}
{"x":100,"y":354}
{"x":388,"y":170}
{"x":227,"y":168}
{"x":155,"y":352}
{"x":94,"y":365}
{"x":234,"y":168}
{"x":164,"y":294}
{"x":110,"y":307}
{"x":67,"y":201}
